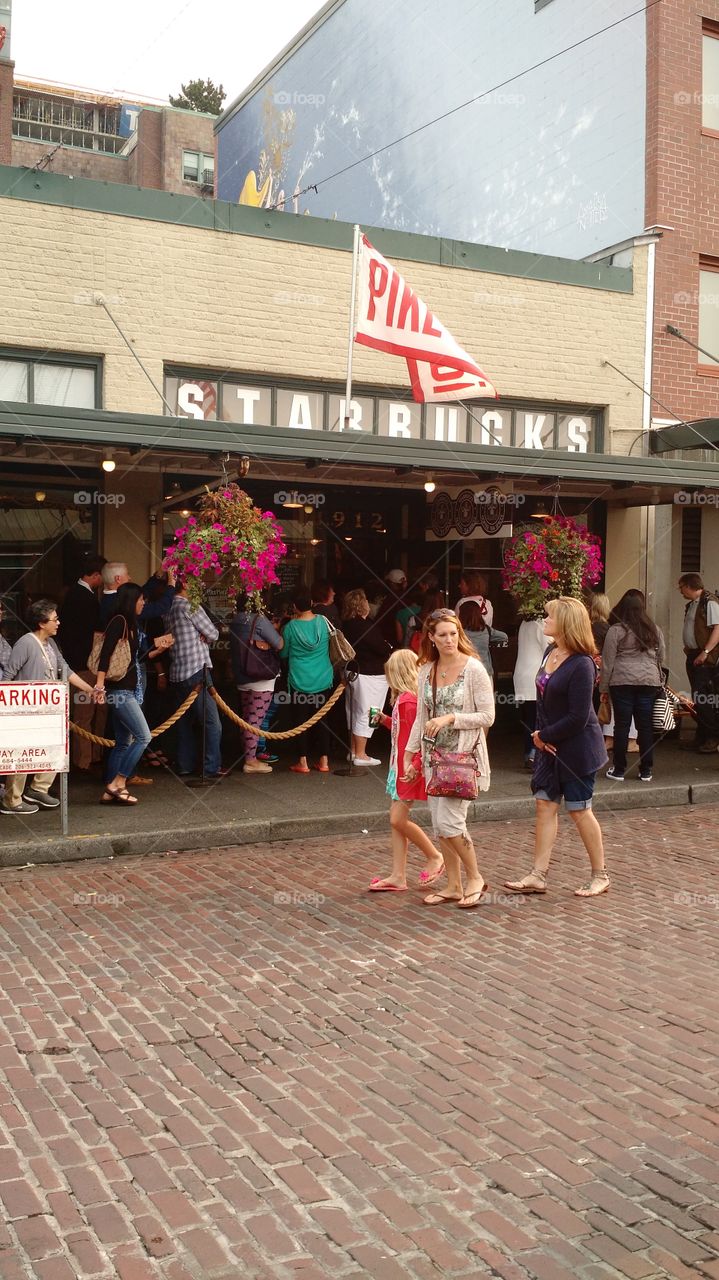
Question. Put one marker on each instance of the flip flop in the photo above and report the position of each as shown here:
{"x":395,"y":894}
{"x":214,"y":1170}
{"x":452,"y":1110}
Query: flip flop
{"x":436,"y":899}
{"x":298,"y":768}
{"x":377,"y":887}
{"x":322,"y":768}
{"x":427,"y":877}
{"x":472,"y":900}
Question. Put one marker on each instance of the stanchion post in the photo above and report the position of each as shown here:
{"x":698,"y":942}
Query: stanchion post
{"x":349,"y":675}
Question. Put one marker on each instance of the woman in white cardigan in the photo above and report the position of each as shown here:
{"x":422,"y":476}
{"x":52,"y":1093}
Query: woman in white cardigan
{"x":455,"y":705}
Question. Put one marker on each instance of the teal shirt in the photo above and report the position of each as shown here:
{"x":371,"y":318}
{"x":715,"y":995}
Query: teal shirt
{"x":307,"y":653}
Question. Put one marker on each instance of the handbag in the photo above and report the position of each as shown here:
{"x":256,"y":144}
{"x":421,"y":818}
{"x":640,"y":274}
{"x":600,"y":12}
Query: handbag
{"x":604,"y":714}
{"x":256,"y":663}
{"x":665,"y":710}
{"x":120,"y":658}
{"x":341,"y":651}
{"x":666,"y":705}
{"x":453,"y":774}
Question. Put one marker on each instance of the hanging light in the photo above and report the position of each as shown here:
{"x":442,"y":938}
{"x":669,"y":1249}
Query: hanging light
{"x":108,"y":462}
{"x":185,"y":511}
{"x":541,"y":512}
{"x":315,"y":542}
{"x":429,"y":485}
{"x":243,"y":466}
{"x":40,"y":495}
{"x":308,"y":509}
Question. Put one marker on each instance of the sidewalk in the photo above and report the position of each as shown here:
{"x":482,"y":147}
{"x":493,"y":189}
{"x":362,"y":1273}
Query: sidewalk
{"x":238,"y":1063}
{"x":285,"y":806}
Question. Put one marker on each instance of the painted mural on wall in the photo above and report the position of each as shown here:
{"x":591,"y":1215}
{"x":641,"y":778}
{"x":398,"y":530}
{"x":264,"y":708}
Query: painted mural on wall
{"x":552,"y":163}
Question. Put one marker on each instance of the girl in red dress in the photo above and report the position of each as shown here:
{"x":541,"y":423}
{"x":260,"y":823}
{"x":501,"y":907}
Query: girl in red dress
{"x":401,"y":672}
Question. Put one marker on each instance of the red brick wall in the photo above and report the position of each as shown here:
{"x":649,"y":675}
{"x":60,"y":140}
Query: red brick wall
{"x":6,"y":83}
{"x":682,"y":190}
{"x":184,"y":131}
{"x":145,"y":167}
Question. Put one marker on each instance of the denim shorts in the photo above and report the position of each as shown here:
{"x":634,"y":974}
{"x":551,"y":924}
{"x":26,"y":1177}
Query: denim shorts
{"x":577,"y":793}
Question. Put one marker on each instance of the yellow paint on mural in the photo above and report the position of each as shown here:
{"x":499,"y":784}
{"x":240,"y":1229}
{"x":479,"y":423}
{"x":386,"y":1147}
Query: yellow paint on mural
{"x":251,"y":193}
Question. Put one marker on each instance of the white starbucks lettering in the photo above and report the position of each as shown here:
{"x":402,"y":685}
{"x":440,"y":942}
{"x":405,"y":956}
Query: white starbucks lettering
{"x":189,"y":398}
{"x":578,"y":435}
{"x":400,"y":420}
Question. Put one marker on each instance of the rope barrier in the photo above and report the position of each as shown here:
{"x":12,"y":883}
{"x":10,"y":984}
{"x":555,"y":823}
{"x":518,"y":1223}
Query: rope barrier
{"x":288,"y":733}
{"x":161,"y":728}
{"x":231,"y":715}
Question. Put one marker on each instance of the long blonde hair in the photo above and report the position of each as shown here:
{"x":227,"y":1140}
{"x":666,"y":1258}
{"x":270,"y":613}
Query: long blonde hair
{"x":401,"y":671}
{"x":427,"y":651}
{"x":599,"y":607}
{"x":573,"y":624}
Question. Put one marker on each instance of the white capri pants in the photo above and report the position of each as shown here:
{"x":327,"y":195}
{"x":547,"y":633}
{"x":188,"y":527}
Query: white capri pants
{"x":367,"y":691}
{"x":448,"y":814}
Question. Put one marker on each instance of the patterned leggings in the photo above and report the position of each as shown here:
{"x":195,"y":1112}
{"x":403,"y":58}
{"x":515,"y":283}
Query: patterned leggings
{"x":253,"y":709}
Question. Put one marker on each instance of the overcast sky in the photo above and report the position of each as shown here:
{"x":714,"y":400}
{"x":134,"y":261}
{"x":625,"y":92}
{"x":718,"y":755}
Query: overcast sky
{"x":149,"y":47}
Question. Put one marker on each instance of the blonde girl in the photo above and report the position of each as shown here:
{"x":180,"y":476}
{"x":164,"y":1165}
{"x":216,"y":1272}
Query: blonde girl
{"x":401,"y":673}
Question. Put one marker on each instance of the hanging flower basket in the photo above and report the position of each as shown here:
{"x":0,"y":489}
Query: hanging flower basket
{"x":229,"y":543}
{"x":555,"y":558}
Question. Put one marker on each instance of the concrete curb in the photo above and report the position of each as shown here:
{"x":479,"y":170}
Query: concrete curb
{"x":630,"y":795}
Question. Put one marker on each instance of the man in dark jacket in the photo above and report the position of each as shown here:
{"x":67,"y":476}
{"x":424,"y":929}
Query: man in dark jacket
{"x":701,"y":646}
{"x":79,"y":620}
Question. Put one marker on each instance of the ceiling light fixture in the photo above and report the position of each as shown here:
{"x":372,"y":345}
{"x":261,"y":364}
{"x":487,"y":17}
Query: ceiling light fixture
{"x":108,"y":462}
{"x":429,"y":485}
{"x":40,"y":495}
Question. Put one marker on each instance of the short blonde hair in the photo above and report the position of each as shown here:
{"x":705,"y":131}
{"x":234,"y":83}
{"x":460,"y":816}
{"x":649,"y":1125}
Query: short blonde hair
{"x":355,"y":604}
{"x":401,"y":671}
{"x":573,"y":625}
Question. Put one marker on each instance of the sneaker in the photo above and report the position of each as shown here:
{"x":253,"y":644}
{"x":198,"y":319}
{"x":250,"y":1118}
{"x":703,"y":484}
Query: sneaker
{"x":616,"y":777}
{"x":41,"y":798}
{"x":365,"y":760}
{"x":23,"y":807}
{"x":267,"y":757}
{"x":645,"y":777}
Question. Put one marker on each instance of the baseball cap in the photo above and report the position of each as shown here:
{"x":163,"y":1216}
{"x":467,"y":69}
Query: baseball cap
{"x":395,"y":575}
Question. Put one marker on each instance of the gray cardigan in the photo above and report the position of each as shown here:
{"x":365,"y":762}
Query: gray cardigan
{"x":477,"y":714}
{"x":26,"y":661}
{"x":624,"y":662}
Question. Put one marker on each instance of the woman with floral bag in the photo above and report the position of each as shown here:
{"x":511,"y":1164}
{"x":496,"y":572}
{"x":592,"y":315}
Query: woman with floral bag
{"x":455,"y":705}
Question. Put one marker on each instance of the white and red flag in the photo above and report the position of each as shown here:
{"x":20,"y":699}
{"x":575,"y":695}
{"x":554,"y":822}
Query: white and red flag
{"x":391,"y":317}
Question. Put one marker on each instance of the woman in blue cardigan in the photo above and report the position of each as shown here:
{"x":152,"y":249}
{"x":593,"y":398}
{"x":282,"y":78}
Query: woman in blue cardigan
{"x":569,"y":744}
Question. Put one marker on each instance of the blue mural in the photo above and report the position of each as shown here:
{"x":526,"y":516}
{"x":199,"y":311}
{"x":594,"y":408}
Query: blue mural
{"x":552,"y":162}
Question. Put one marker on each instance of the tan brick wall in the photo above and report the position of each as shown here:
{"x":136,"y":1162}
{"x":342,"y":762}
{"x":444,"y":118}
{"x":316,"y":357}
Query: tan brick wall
{"x":231,"y":302}
{"x":682,"y":184}
{"x":73,"y":161}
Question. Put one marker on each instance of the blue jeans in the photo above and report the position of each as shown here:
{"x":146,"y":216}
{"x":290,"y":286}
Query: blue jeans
{"x":204,"y":704}
{"x":633,"y":700}
{"x":131,"y":732}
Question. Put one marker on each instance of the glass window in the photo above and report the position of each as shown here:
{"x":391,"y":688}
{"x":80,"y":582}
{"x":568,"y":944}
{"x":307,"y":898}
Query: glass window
{"x":709,"y":316}
{"x":67,"y":385}
{"x":710,"y":82}
{"x":190,"y":166}
{"x":13,"y":380}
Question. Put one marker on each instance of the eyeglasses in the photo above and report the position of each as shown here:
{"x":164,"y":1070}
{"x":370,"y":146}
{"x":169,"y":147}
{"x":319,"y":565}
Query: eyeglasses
{"x":442,"y":613}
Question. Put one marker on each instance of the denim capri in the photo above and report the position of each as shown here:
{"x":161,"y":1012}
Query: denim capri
{"x":576,"y":792}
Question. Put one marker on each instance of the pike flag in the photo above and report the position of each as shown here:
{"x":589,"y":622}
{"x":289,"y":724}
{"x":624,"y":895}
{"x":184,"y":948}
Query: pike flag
{"x":391,"y":317}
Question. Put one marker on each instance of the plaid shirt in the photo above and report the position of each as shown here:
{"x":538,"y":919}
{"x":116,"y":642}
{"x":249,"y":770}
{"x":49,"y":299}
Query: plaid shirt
{"x":189,"y":652}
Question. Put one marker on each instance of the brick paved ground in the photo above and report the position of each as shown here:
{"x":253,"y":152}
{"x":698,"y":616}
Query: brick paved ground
{"x":208,"y":1070}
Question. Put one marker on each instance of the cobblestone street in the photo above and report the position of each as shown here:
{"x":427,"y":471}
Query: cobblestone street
{"x":238,"y":1063}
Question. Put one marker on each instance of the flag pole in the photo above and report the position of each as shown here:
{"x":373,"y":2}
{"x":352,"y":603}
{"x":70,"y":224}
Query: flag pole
{"x":351,"y":339}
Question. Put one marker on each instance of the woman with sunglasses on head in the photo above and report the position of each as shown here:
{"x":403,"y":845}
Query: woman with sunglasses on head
{"x":569,"y":744}
{"x":455,"y":705}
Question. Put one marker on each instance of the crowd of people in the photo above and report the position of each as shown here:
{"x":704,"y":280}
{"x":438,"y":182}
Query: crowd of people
{"x":421,"y":670}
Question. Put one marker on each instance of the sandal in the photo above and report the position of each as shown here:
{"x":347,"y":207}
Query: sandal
{"x":599,"y":883}
{"x":472,"y":900}
{"x":534,"y":882}
{"x":110,"y":796}
{"x":429,"y":877}
{"x":298,"y":768}
{"x":436,"y":899}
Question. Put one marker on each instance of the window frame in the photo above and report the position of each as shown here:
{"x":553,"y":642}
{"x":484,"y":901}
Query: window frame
{"x":710,"y":29}
{"x":706,"y":263}
{"x":202,"y":158}
{"x":541,"y":4}
{"x":32,"y":356}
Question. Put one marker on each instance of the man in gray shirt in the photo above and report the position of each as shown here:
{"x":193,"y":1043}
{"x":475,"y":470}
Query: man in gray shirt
{"x":701,"y":646}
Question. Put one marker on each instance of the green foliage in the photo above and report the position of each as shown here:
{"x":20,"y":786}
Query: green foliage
{"x":200,"y":95}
